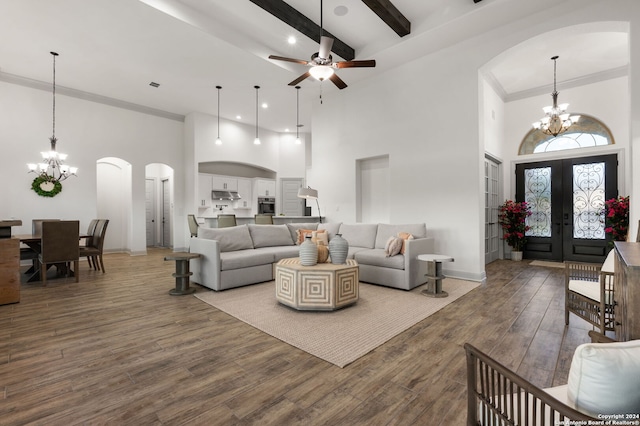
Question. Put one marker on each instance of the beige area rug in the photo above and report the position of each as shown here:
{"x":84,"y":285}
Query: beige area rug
{"x":339,"y":337}
{"x":547,"y":263}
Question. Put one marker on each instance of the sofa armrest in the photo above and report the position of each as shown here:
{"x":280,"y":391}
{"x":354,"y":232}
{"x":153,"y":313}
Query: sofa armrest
{"x":415,"y":270}
{"x":206,"y":269}
{"x":416,"y":247}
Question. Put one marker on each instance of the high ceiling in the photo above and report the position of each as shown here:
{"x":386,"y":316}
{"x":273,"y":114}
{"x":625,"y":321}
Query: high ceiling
{"x":114,"y":48}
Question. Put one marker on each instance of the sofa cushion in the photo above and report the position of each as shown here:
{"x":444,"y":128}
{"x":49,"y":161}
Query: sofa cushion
{"x":331,"y":228}
{"x":244,"y":259}
{"x":230,"y":239}
{"x":376,"y":257}
{"x":360,"y":234}
{"x":270,"y":235}
{"x":282,"y":252}
{"x":405,"y":236}
{"x":603,"y":378}
{"x":293,"y":228}
{"x":418,"y":230}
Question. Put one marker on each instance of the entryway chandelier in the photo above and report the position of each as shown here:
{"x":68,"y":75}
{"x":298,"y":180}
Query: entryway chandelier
{"x":556,"y":120}
{"x":52,"y":170}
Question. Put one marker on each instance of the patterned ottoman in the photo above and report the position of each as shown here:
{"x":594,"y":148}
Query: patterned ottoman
{"x":322,"y":287}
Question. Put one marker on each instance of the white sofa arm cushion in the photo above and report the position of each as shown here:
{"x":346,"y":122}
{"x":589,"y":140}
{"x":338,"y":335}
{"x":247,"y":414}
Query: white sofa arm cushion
{"x":206,"y":269}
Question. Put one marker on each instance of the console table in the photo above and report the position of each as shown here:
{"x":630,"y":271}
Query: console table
{"x":9,"y":263}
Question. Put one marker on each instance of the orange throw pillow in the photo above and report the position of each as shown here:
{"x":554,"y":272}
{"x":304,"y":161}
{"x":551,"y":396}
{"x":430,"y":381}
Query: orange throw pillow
{"x":302,"y":233}
{"x":405,"y":236}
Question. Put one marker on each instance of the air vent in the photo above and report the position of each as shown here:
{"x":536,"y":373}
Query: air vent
{"x":154,"y":84}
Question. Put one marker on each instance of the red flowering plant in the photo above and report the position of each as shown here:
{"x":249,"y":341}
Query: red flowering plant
{"x":616,"y":218}
{"x":512,"y":216}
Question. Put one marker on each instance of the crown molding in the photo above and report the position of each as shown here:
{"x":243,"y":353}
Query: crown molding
{"x":87,"y":96}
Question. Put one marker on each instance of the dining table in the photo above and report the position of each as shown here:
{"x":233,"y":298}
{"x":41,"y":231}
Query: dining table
{"x":34,"y":242}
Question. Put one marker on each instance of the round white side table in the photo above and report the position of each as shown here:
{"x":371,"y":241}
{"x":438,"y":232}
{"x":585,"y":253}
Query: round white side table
{"x":434,"y":274}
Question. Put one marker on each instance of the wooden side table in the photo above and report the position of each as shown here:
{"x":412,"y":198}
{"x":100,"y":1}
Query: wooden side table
{"x":434,"y":274}
{"x":182,"y":273}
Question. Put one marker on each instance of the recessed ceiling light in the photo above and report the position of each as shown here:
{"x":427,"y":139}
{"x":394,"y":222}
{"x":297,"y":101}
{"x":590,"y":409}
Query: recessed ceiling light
{"x":238,"y":117}
{"x":291,"y":40}
{"x":341,"y":10}
{"x":286,"y":130}
{"x":265,"y":105}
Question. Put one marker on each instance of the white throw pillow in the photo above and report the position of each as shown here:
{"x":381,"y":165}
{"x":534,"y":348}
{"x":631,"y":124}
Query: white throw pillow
{"x":393,"y":246}
{"x":604,"y":378}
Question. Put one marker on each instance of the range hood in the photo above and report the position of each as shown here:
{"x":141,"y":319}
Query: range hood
{"x":225,"y":195}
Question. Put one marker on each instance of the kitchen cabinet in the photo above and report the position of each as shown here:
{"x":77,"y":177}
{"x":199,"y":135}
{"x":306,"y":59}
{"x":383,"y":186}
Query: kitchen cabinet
{"x":265,"y":188}
{"x":204,"y":190}
{"x":224,"y":183}
{"x":244,"y":190}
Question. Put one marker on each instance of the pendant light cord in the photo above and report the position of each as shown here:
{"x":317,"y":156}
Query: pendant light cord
{"x":297,"y":111}
{"x":53,"y":137}
{"x":218,"y":87}
{"x":257,"y":88}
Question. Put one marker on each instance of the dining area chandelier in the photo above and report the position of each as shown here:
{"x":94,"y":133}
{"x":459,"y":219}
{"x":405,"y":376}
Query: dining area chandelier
{"x":51,"y":170}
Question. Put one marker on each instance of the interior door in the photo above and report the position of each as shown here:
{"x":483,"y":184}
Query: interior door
{"x":492,"y":234}
{"x":166,"y":214}
{"x":291,"y":205}
{"x":150,"y":211}
{"x":567,"y":198}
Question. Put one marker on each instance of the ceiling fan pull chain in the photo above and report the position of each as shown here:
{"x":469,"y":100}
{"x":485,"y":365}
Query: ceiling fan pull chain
{"x":321,"y":93}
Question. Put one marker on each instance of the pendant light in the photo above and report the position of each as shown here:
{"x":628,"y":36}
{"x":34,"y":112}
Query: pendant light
{"x":298,"y":141}
{"x":256,"y":141}
{"x":218,"y":140}
{"x":556,"y":119}
{"x":52,"y":170}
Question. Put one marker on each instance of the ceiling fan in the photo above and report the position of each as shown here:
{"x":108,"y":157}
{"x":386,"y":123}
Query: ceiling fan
{"x":321,"y":63}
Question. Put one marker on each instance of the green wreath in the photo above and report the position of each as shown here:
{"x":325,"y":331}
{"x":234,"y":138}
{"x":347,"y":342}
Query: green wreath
{"x":37,"y":187}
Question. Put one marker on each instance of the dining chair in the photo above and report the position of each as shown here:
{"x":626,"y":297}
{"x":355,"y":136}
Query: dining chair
{"x":263,"y":219}
{"x":32,"y":252}
{"x":193,"y":225}
{"x":226,"y":220}
{"x":93,"y":250}
{"x":59,"y":246}
{"x":91,"y":229}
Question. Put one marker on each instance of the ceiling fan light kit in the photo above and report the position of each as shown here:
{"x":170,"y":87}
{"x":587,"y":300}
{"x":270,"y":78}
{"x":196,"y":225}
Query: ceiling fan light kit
{"x":321,"y":63}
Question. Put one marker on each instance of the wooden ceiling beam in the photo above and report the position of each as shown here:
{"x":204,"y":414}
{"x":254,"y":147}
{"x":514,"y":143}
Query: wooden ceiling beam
{"x":306,"y":26}
{"x":390,"y":15}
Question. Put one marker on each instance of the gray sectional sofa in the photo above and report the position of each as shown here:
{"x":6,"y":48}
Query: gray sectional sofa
{"x":244,"y":255}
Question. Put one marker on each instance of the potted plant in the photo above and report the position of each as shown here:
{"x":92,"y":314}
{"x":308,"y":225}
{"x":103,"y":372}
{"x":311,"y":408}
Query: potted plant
{"x":512,"y":216}
{"x":616,"y":218}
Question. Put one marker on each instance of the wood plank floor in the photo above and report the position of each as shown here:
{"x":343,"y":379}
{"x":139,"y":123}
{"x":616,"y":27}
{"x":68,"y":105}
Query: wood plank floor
{"x":117,"y":349}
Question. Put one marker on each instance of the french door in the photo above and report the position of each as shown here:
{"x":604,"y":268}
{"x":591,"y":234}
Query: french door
{"x":567,"y":198}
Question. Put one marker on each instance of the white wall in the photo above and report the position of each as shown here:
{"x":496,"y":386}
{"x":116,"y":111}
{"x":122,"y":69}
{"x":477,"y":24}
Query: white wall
{"x":426,"y":116}
{"x":86,"y":131}
{"x":277,"y":151}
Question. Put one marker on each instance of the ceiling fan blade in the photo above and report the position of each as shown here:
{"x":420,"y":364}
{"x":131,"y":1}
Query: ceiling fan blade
{"x":338,"y":81}
{"x":282,"y":58}
{"x":299,"y":79}
{"x":326,"y":43}
{"x":356,"y":64}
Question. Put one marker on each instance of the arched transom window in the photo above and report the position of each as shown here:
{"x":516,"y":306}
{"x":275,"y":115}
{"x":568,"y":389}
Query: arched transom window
{"x":587,"y":132}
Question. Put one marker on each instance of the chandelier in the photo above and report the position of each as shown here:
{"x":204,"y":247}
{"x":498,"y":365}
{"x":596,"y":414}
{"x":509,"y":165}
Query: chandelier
{"x":52,"y":170}
{"x":556,"y":119}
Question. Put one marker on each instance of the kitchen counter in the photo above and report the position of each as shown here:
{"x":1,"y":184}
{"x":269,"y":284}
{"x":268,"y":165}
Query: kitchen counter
{"x":212,"y":221}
